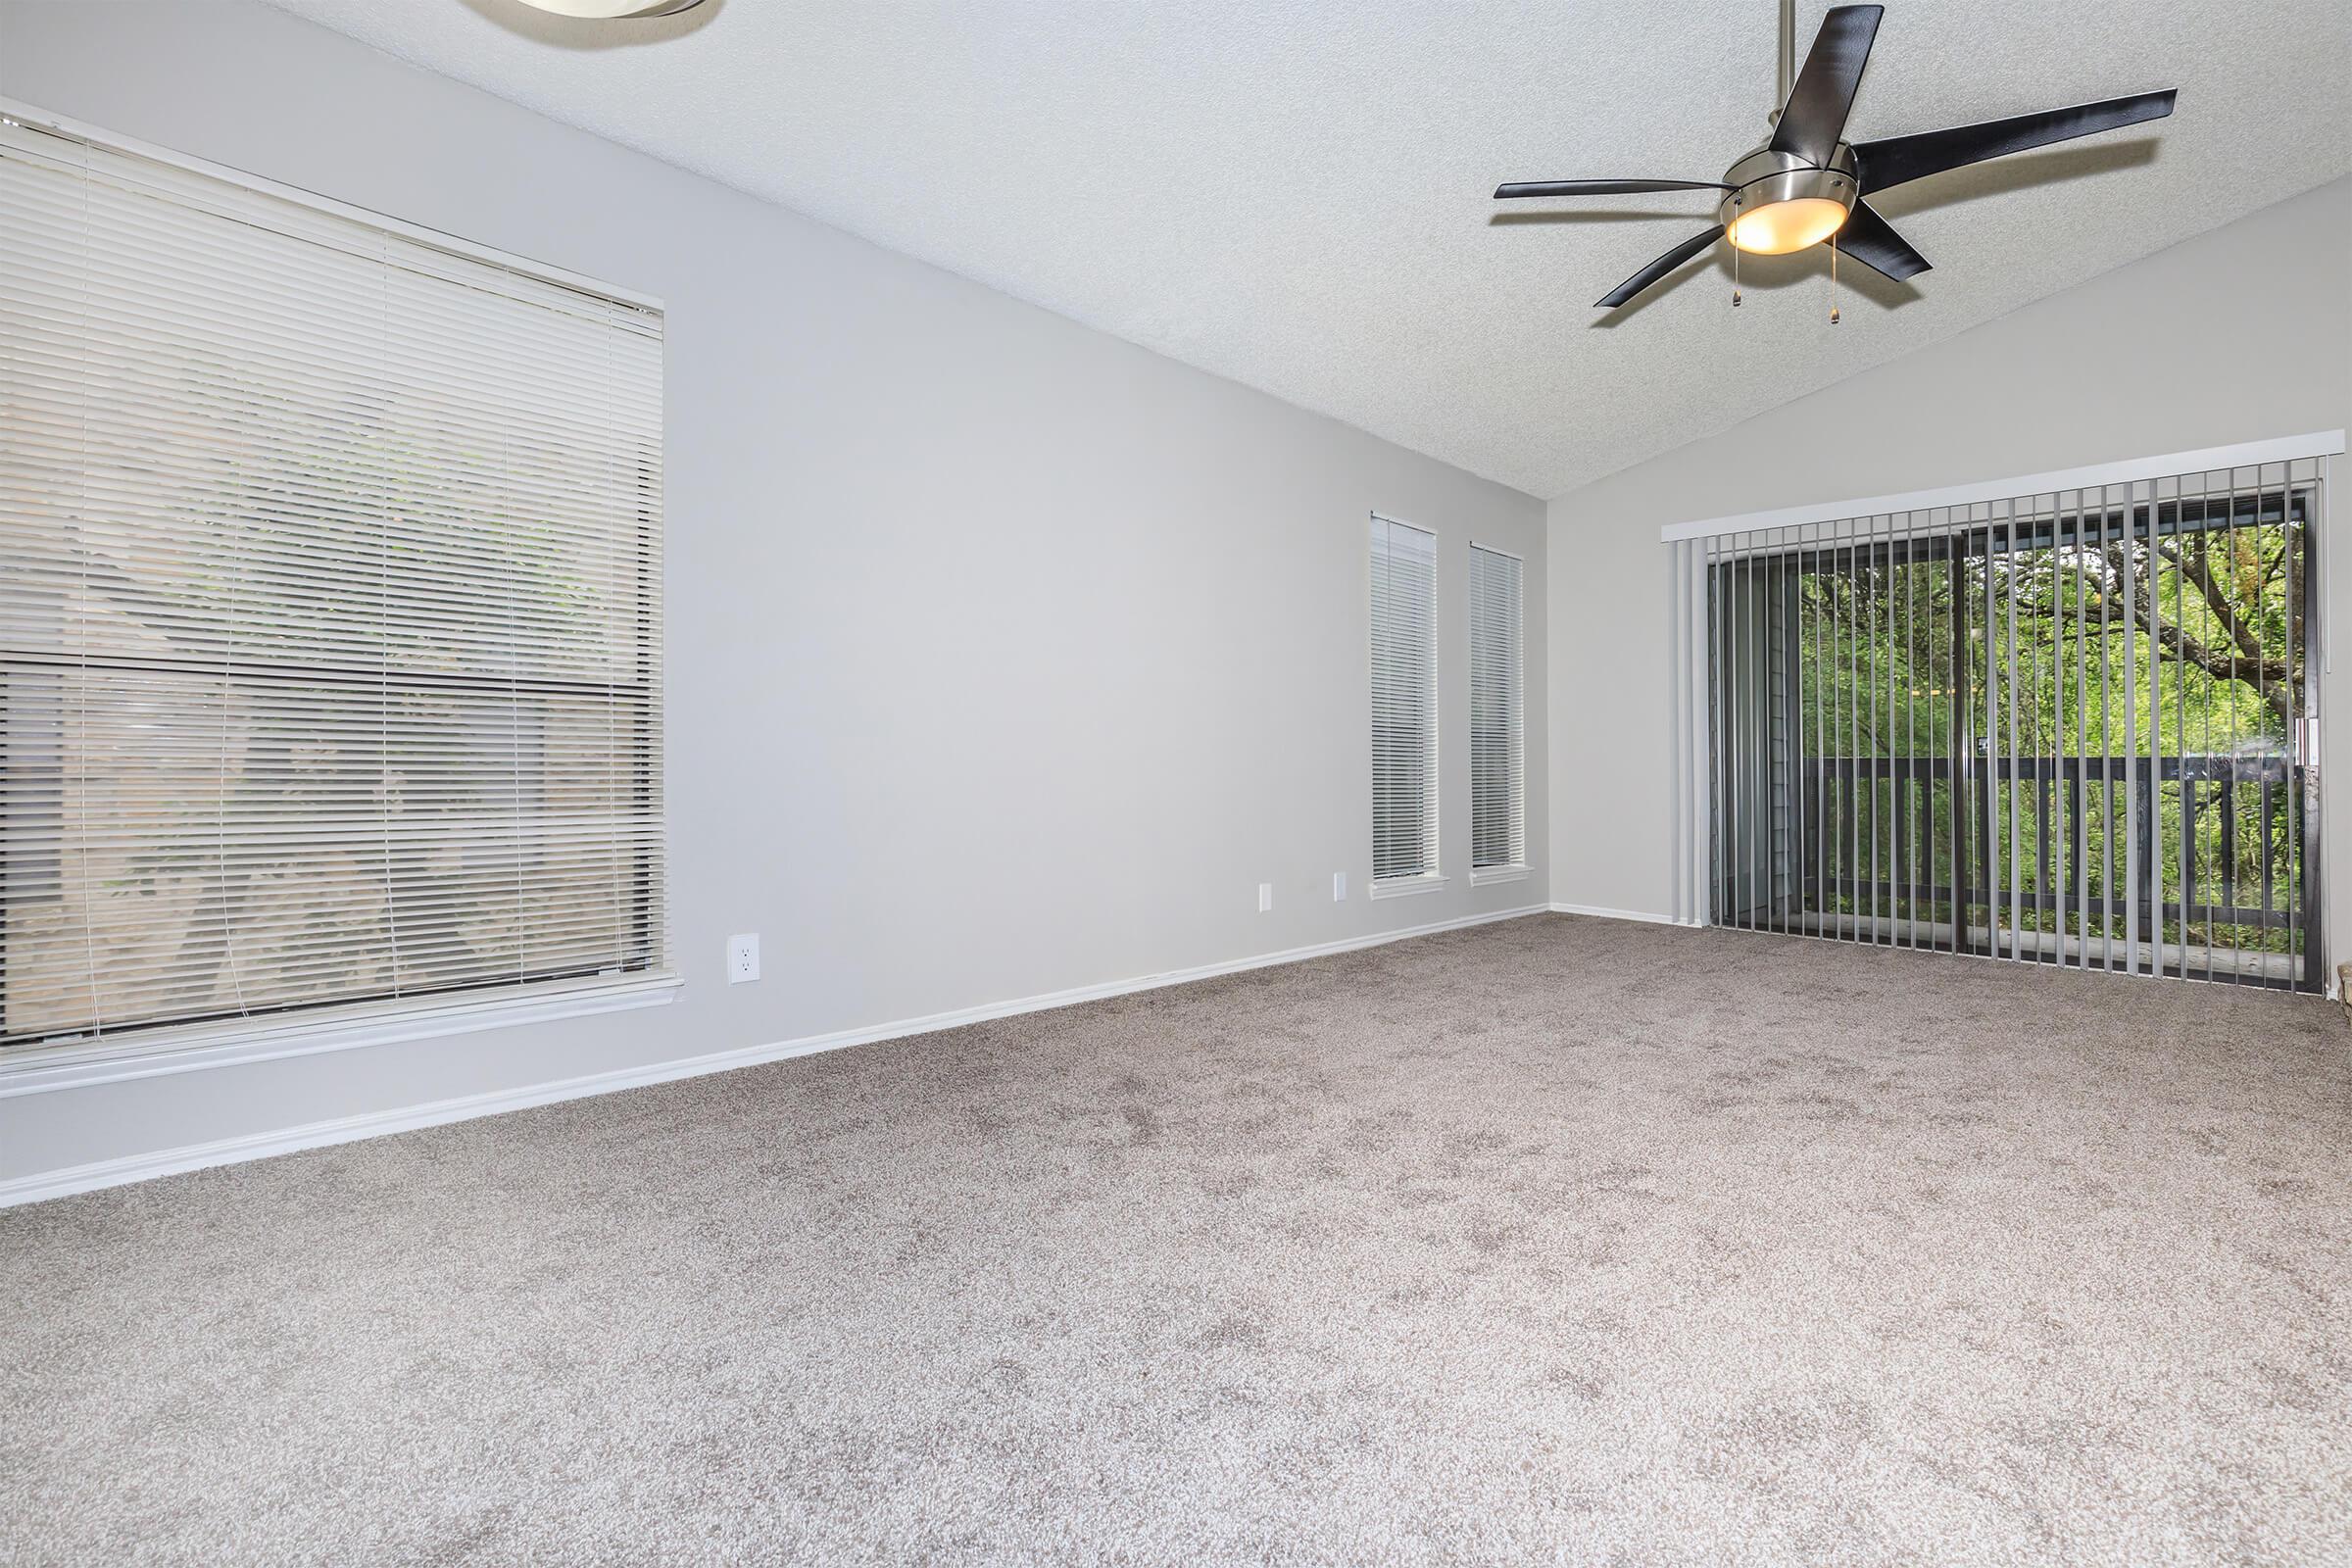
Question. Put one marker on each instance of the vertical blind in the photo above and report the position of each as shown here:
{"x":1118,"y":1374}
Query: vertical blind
{"x":1498,"y":745}
{"x":329,"y":638}
{"x":1404,"y":702}
{"x":2076,"y":727}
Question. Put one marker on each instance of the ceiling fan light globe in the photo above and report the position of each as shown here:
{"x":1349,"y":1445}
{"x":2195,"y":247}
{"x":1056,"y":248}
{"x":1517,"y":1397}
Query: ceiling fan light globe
{"x":1780,"y":228}
{"x":1776,"y":202}
{"x":612,"y":9}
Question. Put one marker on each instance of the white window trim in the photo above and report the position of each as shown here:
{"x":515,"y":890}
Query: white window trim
{"x":1488,"y":875}
{"x":1396,"y":887}
{"x":150,"y":1053}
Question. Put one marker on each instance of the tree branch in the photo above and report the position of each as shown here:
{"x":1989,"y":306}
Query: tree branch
{"x":2272,"y":678}
{"x":2201,"y":574}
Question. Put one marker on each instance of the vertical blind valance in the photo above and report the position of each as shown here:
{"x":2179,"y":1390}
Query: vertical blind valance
{"x":331,"y":626}
{"x":1404,"y":702}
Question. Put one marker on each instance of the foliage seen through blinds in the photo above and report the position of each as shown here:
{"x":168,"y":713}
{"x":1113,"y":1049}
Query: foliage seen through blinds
{"x":2074,"y":727}
{"x":329,"y":637}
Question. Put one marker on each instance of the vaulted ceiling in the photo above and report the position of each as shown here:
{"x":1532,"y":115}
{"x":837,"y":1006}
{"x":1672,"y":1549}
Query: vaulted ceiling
{"x":1296,"y":193}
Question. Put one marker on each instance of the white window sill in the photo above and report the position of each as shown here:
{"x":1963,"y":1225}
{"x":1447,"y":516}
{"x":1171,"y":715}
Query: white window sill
{"x":1398,"y":887}
{"x":78,"y":1063}
{"x":1488,"y":875}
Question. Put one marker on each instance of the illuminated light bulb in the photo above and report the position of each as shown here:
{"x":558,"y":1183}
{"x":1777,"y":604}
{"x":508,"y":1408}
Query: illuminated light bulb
{"x":1777,"y":228}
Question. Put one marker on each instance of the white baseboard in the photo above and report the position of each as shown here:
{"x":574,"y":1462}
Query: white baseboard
{"x":43,"y":1185}
{"x":1615,"y":915}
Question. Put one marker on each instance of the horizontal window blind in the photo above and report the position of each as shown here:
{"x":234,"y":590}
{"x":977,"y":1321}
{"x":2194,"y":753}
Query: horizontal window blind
{"x":330,"y":634}
{"x":1404,"y":702}
{"x":2077,"y":727}
{"x":1498,"y":794}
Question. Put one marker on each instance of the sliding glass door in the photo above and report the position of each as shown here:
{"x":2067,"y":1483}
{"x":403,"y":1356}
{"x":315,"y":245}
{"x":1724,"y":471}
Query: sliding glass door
{"x":2073,"y":728}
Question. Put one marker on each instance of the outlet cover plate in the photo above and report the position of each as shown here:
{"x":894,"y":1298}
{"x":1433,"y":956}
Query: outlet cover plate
{"x":743,"y":958}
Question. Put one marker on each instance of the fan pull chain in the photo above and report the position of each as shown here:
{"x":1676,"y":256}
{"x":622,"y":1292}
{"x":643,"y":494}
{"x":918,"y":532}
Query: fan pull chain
{"x":1735,"y":267}
{"x":1832,"y":281}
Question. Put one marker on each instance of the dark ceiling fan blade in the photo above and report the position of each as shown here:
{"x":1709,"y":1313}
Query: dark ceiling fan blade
{"x":1871,"y":240}
{"x":1659,"y":269}
{"x":1899,"y":160}
{"x":1599,"y":188}
{"x":1814,"y":117}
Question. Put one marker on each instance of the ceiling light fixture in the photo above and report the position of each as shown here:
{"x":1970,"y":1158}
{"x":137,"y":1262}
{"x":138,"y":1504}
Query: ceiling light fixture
{"x":1777,"y":202}
{"x":612,"y":9}
{"x":1807,"y":184}
{"x":1785,"y":227}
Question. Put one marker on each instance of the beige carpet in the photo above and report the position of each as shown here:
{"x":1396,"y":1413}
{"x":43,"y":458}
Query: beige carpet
{"x":1560,"y":1241}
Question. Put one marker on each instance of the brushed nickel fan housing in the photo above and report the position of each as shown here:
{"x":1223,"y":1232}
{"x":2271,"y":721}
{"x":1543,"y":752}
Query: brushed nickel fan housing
{"x":1765,"y":177}
{"x":1773,"y":199}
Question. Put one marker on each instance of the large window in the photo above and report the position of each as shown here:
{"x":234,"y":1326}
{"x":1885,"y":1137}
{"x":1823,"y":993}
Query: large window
{"x":1498,"y":722}
{"x":329,"y":631}
{"x":1404,"y":707}
{"x":2072,"y":728}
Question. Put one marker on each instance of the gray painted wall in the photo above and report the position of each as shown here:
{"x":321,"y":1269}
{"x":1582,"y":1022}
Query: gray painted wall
{"x":1005,"y":657}
{"x":2239,"y":334}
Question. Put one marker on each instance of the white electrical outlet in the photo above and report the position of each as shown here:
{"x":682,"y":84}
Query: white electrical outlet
{"x":743,"y":958}
{"x":1265,"y":897}
{"x":1339,"y":887}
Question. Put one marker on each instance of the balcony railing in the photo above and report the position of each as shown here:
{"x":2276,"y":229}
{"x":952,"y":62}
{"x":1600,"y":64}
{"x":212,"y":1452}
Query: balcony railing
{"x":2199,"y":859}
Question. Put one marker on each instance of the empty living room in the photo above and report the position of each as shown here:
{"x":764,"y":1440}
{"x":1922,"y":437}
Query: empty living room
{"x":1171,"y":782}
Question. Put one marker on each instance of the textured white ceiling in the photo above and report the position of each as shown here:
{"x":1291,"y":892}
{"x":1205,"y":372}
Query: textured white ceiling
{"x":1296,"y":193}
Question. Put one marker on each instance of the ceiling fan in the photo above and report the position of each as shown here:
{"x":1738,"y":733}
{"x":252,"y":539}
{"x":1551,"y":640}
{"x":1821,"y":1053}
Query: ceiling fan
{"x":1807,"y":183}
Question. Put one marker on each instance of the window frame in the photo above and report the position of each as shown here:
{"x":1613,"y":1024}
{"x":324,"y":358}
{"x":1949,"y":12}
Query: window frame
{"x":182,"y":1043}
{"x":1431,"y":877}
{"x":1515,"y":869}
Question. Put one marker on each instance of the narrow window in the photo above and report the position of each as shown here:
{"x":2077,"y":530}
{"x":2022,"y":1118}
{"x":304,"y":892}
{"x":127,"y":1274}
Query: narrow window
{"x":1498,"y":750}
{"x":1405,"y":705}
